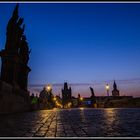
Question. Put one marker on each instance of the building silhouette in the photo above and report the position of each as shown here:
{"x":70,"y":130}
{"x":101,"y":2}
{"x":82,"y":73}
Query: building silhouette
{"x":66,"y":96}
{"x":115,"y":91}
{"x":46,"y":99}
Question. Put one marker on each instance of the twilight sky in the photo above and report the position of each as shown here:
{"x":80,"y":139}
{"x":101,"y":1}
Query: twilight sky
{"x":79,"y":43}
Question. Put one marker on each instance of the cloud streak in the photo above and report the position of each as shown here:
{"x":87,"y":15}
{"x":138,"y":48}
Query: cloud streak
{"x":121,"y":81}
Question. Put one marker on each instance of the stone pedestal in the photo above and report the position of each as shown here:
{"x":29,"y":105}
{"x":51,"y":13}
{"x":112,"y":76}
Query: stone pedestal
{"x":13,"y":99}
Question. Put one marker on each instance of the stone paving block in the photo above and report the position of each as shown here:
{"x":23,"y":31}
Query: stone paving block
{"x":69,"y":123}
{"x":60,"y":134}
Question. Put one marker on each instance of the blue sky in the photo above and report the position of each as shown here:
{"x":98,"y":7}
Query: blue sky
{"x":79,"y":42}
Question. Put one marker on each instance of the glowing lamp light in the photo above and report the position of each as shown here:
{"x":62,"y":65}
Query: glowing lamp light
{"x":49,"y":88}
{"x":81,"y":98}
{"x":58,"y":104}
{"x":107,"y":87}
{"x":69,"y":104}
{"x":81,"y":108}
{"x":54,"y":98}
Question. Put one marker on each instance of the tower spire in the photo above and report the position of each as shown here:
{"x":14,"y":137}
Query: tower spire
{"x":115,"y":85}
{"x":115,"y":91}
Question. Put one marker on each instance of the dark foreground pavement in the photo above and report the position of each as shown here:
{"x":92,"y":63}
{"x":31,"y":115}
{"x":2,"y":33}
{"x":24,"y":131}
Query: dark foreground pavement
{"x":72,"y":123}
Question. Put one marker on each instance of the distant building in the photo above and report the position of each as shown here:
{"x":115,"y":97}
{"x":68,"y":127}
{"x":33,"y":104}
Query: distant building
{"x":115,"y":91}
{"x":75,"y":102}
{"x":46,"y":99}
{"x":66,"y":96}
{"x":58,"y":101}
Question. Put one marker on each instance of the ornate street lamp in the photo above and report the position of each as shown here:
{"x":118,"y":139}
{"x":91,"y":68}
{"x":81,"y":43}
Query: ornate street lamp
{"x":107,"y":89}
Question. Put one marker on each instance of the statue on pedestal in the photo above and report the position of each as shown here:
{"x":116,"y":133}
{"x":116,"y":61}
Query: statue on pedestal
{"x":93,"y":98}
{"x":15,"y":56}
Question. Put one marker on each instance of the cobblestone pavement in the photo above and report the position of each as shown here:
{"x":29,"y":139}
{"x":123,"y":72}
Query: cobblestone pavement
{"x":72,"y":123}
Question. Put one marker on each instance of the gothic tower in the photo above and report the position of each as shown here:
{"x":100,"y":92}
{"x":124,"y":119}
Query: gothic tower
{"x":66,"y":95}
{"x":115,"y":91}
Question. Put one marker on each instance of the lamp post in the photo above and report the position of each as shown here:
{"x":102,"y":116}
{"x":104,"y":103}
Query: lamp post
{"x":81,"y":101}
{"x":107,"y":89}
